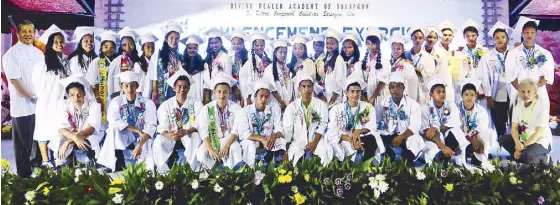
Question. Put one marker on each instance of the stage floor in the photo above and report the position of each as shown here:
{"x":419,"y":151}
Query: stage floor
{"x":8,"y":152}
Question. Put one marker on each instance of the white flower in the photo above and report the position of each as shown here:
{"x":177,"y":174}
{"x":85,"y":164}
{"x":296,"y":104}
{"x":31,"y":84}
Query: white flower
{"x":258,"y":177}
{"x":30,"y":195}
{"x":118,"y":198}
{"x":295,"y":189}
{"x":420,"y":175}
{"x":513,"y":180}
{"x":194,"y":184}
{"x":159,"y":185}
{"x":78,"y":172}
{"x":203,"y":175}
{"x":372,"y":180}
{"x":376,"y":194}
{"x":558,"y":180}
{"x":488,"y":167}
{"x":383,"y":186}
{"x":217,"y":188}
{"x":380,"y":177}
{"x":76,"y":179}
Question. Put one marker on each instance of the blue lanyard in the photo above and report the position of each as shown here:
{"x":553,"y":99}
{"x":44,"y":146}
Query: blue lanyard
{"x":260,"y":123}
{"x":416,"y":63}
{"x":351,"y":117}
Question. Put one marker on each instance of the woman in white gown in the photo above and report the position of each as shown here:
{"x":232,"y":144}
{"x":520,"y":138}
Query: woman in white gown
{"x":194,"y":65}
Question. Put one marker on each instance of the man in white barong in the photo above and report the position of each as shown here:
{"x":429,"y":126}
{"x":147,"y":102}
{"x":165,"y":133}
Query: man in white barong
{"x":305,"y":124}
{"x":260,"y":128}
{"x":440,"y":127}
{"x":132,"y":124}
{"x":529,"y":61}
{"x":475,"y":123}
{"x":473,"y":52}
{"x":423,"y":62}
{"x":177,"y":136}
{"x":399,"y":124}
{"x":352,"y":126}
{"x":216,"y":126}
{"x":78,"y":122}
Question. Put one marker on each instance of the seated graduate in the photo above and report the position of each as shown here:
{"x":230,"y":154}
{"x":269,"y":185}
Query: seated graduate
{"x":260,"y":128}
{"x":177,"y":138}
{"x":531,"y":138}
{"x":216,"y":127}
{"x":132,"y":124}
{"x":79,"y":124}
{"x":399,"y":124}
{"x":474,"y":122}
{"x":352,"y":125}
{"x":440,"y":127}
{"x":305,"y":124}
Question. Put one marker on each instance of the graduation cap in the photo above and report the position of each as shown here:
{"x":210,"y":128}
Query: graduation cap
{"x":430,"y":29}
{"x":434,"y":81}
{"x":318,"y":37}
{"x":499,"y":25}
{"x":476,"y":82}
{"x":76,"y":78}
{"x":352,"y":35}
{"x":331,"y":33}
{"x":128,"y":76}
{"x":172,"y":26}
{"x":301,"y":76}
{"x":417,"y":28}
{"x":374,"y":32}
{"x":127,"y":31}
{"x":107,"y":36}
{"x":258,"y":35}
{"x":222,"y":78}
{"x":147,"y":38}
{"x":214,"y":33}
{"x":399,"y":38}
{"x":181,"y":72}
{"x":52,"y":30}
{"x":396,"y":77}
{"x":470,"y":23}
{"x":298,"y":38}
{"x":280,"y":43}
{"x":238,"y":33}
{"x":192,"y":39}
{"x":354,"y":78}
{"x":81,"y":31}
{"x":261,"y":84}
{"x":521,"y":22}
{"x":446,"y":25}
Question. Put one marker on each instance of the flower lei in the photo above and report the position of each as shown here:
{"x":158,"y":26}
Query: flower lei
{"x":261,"y":66}
{"x":310,"y":115}
{"x":474,"y":56}
{"x":531,"y":60}
{"x":396,"y":65}
{"x":435,"y":117}
{"x":469,"y":121}
{"x":132,"y":114}
{"x":258,"y":124}
{"x":235,"y":68}
{"x":391,"y":112}
{"x":183,"y":115}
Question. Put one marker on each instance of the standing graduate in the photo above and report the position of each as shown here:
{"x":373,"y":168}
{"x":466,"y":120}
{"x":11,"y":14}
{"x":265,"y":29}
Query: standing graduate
{"x":97,"y":75}
{"x":529,"y":61}
{"x":147,"y":63}
{"x":260,"y":128}
{"x":530,"y":140}
{"x":81,"y":58}
{"x":300,"y":61}
{"x":254,"y":68}
{"x":441,"y":57}
{"x":317,"y":57}
{"x":217,"y":127}
{"x":47,"y":75}
{"x":239,"y":57}
{"x":168,"y":63}
{"x":132,"y":125}
{"x":441,"y":127}
{"x":216,"y":60}
{"x":352,"y":129}
{"x":350,"y":53}
{"x":400,"y":64}
{"x":127,"y":60}
{"x":177,"y":139}
{"x":399,"y":124}
{"x":492,"y":69}
{"x":279,"y":75}
{"x":454,"y":59}
{"x":194,"y":65}
{"x":474,"y":123}
{"x":78,"y":122}
{"x":473,"y":53}
{"x":374,"y":66}
{"x":305,"y":123}
{"x":333,"y":70}
{"x":422,"y":61}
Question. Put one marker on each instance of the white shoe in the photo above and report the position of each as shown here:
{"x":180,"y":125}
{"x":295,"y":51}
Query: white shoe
{"x":47,"y":164}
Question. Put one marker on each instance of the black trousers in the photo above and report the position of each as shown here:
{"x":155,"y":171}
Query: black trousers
{"x":370,"y":146}
{"x":532,"y":154}
{"x":26,"y":150}
{"x":388,"y":142}
{"x":453,"y":144}
{"x":174,"y":155}
{"x":121,"y":164}
{"x":500,"y":115}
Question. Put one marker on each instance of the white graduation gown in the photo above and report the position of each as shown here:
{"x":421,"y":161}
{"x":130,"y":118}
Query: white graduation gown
{"x":247,"y":75}
{"x":333,"y":79}
{"x":492,"y":75}
{"x":150,"y":76}
{"x":425,"y":63}
{"x":75,"y":67}
{"x":517,"y":69}
{"x":481,"y":123}
{"x":336,"y":128}
{"x":167,"y":118}
{"x":66,"y":115}
{"x":118,"y":137}
{"x":223,"y":61}
{"x":49,"y":92}
{"x":114,"y":84}
{"x":443,"y":71}
{"x":196,"y":91}
{"x":373,"y":76}
{"x":469,"y":68}
{"x":203,"y":123}
{"x":299,"y":134}
{"x":406,"y":68}
{"x":396,"y":119}
{"x":433,"y":117}
{"x":284,"y":85}
{"x":247,"y":125}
